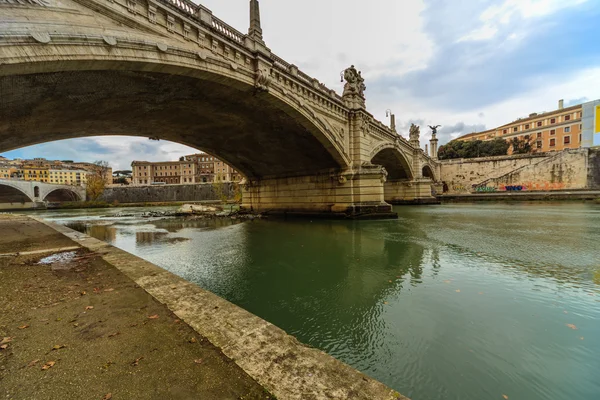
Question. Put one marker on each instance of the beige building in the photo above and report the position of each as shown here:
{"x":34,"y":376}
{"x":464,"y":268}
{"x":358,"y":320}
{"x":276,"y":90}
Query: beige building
{"x":68,"y":177}
{"x":49,"y":171}
{"x":194,"y":168}
{"x":167,"y":172}
{"x":549,"y":131}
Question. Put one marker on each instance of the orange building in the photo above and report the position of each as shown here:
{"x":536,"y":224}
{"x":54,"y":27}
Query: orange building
{"x":549,"y":131}
{"x":194,"y":168}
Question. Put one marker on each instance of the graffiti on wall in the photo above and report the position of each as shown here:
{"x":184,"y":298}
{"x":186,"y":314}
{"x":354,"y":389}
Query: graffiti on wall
{"x":485,"y":189}
{"x":529,"y":186}
{"x":545,"y":185}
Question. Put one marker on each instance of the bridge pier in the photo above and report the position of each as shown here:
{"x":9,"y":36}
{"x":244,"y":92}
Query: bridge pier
{"x":417,"y":191}
{"x":355,"y":193}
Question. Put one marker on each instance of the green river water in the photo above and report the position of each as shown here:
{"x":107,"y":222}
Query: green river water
{"x":462,"y":301}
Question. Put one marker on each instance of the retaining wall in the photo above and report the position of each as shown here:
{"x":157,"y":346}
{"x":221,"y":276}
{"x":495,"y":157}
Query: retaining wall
{"x":566,"y":170}
{"x":166,"y":193}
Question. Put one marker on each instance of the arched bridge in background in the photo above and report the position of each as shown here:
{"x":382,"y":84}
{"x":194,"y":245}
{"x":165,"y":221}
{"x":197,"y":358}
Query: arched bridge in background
{"x":170,"y":69}
{"x":17,"y":191}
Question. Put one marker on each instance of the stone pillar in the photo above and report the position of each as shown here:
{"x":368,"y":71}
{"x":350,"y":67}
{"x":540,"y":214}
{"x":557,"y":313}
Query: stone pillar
{"x":434,"y":147}
{"x":352,"y":193}
{"x":255,"y":30}
{"x":254,"y":39}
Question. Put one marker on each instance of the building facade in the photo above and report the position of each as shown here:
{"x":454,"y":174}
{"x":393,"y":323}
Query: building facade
{"x":546,"y":132}
{"x":49,"y":171}
{"x":194,"y":168}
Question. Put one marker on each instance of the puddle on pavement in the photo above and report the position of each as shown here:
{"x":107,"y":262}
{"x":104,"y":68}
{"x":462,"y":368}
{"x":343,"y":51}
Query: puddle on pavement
{"x":62,"y":260}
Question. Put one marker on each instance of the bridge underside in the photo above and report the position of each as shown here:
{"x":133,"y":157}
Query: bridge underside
{"x":290,"y":166}
{"x":10,"y":195}
{"x":244,"y":128}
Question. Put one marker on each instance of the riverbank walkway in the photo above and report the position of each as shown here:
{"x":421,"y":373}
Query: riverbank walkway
{"x":81,"y":319}
{"x":75,"y":327}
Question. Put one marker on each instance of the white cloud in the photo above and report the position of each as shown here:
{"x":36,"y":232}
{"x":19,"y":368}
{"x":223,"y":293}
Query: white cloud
{"x":501,"y":15}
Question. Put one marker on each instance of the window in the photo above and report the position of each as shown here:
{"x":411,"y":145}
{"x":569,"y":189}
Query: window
{"x":504,"y":132}
{"x":553,"y":131}
{"x":539,"y":134}
{"x":539,"y":123}
{"x":552,"y":142}
{"x":567,"y":140}
{"x":526,"y":126}
{"x":567,"y":129}
{"x":580,"y":138}
{"x":553,"y":120}
{"x":515,"y":129}
{"x":567,"y":117}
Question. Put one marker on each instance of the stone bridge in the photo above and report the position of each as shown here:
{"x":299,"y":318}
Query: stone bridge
{"x":170,"y":69}
{"x":14,"y":191}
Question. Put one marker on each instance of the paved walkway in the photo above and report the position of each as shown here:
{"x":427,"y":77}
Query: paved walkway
{"x":78,"y":328}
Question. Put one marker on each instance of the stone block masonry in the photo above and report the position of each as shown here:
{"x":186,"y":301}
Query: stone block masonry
{"x":577,"y":169}
{"x":166,"y":193}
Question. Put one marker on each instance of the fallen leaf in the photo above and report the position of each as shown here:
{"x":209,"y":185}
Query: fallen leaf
{"x":177,"y":321}
{"x":173,"y":287}
{"x":58,"y":347}
{"x":75,"y":325}
{"x":48,"y":365}
{"x":32,"y":363}
{"x":132,"y":325}
{"x":3,"y":347}
{"x":24,"y":327}
{"x":83,"y":293}
{"x":107,"y":396}
{"x":193,"y":340}
{"x":155,"y":316}
{"x":108,"y":290}
{"x":385,"y":302}
{"x":457,"y":290}
{"x":390,"y":281}
{"x":89,"y":308}
{"x":114,"y":334}
{"x":198,"y":361}
{"x":6,"y":340}
{"x":572,"y":326}
{"x":505,"y":397}
{"x":137,"y":361}
{"x":96,"y":290}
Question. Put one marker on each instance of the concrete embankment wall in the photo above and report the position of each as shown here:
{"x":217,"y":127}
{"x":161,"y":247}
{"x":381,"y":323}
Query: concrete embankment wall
{"x":17,"y":206}
{"x":166,"y":193}
{"x":274,"y":359}
{"x":576,"y":169}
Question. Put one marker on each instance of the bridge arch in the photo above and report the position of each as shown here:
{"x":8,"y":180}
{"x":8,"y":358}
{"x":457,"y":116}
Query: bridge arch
{"x":194,"y":103}
{"x":394,"y":161}
{"x":62,"y":194}
{"x":427,"y":172}
{"x":10,"y":193}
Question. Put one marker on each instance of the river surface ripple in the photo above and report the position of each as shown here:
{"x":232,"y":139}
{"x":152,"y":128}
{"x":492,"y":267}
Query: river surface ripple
{"x":463,"y":302}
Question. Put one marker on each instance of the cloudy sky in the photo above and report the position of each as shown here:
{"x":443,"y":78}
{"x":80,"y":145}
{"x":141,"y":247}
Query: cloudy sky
{"x":468,"y":65}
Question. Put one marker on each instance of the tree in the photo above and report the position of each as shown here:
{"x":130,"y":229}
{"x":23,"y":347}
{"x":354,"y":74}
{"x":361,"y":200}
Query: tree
{"x":96,"y":180}
{"x":521,"y":145}
{"x":473,"y":149}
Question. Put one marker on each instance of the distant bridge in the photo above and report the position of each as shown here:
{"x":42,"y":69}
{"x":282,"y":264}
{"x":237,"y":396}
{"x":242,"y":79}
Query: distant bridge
{"x":17,"y":191}
{"x":170,"y":69}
